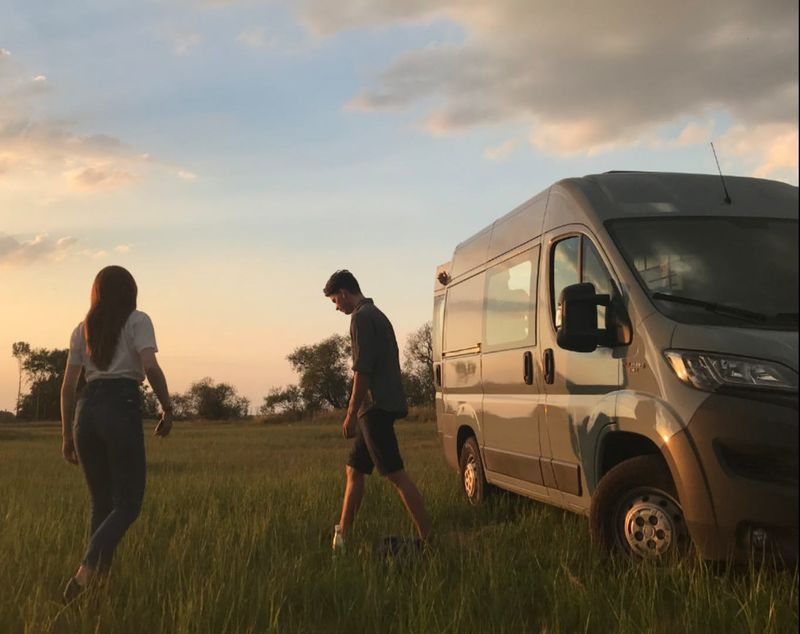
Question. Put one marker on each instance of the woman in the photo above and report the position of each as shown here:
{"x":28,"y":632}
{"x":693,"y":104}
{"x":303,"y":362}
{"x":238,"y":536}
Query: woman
{"x":116,"y":347}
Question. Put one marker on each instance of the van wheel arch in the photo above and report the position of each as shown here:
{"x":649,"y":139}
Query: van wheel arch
{"x":619,"y":446}
{"x":464,"y":432}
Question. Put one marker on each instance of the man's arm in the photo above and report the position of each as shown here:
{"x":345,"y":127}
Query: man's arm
{"x":360,"y":389}
{"x":362,"y":336}
{"x":72,"y":374}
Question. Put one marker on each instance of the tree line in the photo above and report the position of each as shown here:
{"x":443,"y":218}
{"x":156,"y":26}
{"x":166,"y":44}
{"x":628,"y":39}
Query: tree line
{"x":324,"y":381}
{"x":325,"y":377}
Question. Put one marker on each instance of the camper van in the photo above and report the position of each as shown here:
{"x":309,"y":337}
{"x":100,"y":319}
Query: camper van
{"x":625,"y":346}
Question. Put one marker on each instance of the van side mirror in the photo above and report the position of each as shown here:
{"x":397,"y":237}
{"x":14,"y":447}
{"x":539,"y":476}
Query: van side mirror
{"x":578,"y":307}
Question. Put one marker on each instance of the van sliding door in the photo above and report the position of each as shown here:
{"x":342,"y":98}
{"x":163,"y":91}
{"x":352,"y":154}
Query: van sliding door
{"x":512,"y":385}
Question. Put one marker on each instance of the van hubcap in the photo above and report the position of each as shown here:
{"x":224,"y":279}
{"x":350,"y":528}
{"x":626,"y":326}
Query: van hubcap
{"x":652,"y":524}
{"x":470,"y":477}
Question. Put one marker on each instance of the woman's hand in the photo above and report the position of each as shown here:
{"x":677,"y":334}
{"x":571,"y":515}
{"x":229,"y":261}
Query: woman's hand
{"x":68,"y":451}
{"x":164,"y":425}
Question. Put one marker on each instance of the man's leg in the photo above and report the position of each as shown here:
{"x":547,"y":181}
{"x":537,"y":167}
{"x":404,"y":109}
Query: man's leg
{"x":353,"y":494}
{"x":359,"y":464}
{"x":412,"y":498}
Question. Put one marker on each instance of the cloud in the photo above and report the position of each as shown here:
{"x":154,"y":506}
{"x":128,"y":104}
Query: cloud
{"x":95,"y":254}
{"x":183,"y":41}
{"x":15,"y":252}
{"x":49,"y":154}
{"x":502,"y":151}
{"x":254,"y":37}
{"x":586,"y":77}
{"x":695,"y":133}
{"x":99,"y":177}
{"x":51,"y":151}
{"x":768,"y":150}
{"x":20,"y":252}
{"x":186,"y":175}
{"x":325,"y":18}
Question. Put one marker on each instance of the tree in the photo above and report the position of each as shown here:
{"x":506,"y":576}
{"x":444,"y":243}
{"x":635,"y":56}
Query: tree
{"x":150,"y":407}
{"x":216,"y":401}
{"x":418,"y":367}
{"x":181,"y":406}
{"x":44,"y":369}
{"x":324,"y":373}
{"x":20,"y":351}
{"x":287,"y":402}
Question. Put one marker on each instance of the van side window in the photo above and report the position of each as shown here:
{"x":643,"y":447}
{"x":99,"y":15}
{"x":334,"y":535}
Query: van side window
{"x":576,"y":260}
{"x":566,"y":270}
{"x":595,"y":271}
{"x":510,"y":297}
{"x":463,"y":314}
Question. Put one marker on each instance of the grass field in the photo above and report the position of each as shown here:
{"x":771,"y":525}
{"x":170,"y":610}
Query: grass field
{"x":235,"y":537}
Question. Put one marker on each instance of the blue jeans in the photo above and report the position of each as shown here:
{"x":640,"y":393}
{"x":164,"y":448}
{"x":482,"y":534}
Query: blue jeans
{"x":110,"y":443}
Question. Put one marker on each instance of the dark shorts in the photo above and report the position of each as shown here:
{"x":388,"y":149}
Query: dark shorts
{"x":375,"y":444}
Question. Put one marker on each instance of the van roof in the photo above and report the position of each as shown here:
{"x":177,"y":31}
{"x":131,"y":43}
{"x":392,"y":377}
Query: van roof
{"x":596,"y":198}
{"x":624,"y":194}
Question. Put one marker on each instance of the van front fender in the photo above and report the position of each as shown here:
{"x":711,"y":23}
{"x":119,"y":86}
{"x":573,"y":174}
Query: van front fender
{"x":645,"y":415}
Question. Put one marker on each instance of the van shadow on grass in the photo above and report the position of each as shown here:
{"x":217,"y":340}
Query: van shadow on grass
{"x":468,"y":525}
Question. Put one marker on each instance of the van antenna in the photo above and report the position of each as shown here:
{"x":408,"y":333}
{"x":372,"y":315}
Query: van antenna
{"x":728,"y":200}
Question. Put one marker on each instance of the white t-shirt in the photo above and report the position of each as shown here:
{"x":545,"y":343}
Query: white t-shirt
{"x":137,"y":334}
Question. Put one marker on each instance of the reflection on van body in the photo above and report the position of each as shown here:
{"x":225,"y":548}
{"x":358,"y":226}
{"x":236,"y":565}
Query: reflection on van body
{"x":625,"y":345}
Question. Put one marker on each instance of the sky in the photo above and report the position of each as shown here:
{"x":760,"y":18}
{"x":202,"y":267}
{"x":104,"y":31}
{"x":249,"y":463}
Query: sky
{"x":233,"y":153}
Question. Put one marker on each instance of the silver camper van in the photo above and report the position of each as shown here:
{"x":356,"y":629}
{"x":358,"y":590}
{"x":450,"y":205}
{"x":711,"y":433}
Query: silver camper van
{"x":625,"y":346}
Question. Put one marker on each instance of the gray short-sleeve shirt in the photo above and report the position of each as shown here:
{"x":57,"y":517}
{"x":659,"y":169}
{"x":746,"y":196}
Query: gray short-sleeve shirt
{"x":375,"y":354}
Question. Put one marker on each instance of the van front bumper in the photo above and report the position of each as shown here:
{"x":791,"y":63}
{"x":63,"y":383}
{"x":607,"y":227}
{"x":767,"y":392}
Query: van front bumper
{"x":747,"y":449}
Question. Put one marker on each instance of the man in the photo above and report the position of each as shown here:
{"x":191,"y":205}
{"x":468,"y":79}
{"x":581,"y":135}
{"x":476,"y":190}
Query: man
{"x":376,"y":401}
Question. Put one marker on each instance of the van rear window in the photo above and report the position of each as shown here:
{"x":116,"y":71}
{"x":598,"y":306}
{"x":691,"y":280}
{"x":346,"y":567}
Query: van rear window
{"x":463,"y":314}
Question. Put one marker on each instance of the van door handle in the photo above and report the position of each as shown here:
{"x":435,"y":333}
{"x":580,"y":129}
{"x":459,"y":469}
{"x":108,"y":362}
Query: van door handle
{"x":437,"y":374}
{"x":527,"y":367}
{"x":549,"y":367}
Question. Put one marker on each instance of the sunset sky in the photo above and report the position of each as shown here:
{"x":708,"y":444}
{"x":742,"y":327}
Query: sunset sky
{"x":232,"y":154}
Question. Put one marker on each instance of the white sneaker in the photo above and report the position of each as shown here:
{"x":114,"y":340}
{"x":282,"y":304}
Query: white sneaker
{"x":338,"y":539}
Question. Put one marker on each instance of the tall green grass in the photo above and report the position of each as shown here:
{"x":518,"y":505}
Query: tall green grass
{"x":235,"y":537}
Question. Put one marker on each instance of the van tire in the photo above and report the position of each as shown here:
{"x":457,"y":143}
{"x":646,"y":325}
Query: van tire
{"x":473,"y":478}
{"x":635,"y":511}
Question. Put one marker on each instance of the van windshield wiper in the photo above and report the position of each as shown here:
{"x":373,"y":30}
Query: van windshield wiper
{"x":712,"y":306}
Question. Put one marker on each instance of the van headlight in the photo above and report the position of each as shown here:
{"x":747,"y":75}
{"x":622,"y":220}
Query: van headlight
{"x":708,"y":371}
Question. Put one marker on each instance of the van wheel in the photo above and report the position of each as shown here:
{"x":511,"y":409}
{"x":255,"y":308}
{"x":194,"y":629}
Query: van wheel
{"x":473,"y":480}
{"x":635,"y":511}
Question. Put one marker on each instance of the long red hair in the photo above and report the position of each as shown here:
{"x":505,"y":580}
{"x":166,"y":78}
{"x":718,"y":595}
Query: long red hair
{"x":113,"y":300}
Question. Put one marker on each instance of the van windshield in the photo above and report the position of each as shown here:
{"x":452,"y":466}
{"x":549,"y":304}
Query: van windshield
{"x":716,"y":270}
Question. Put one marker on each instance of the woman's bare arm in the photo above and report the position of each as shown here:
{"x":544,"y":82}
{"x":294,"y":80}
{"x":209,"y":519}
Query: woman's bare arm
{"x":72,"y":374}
{"x":157,"y":380}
